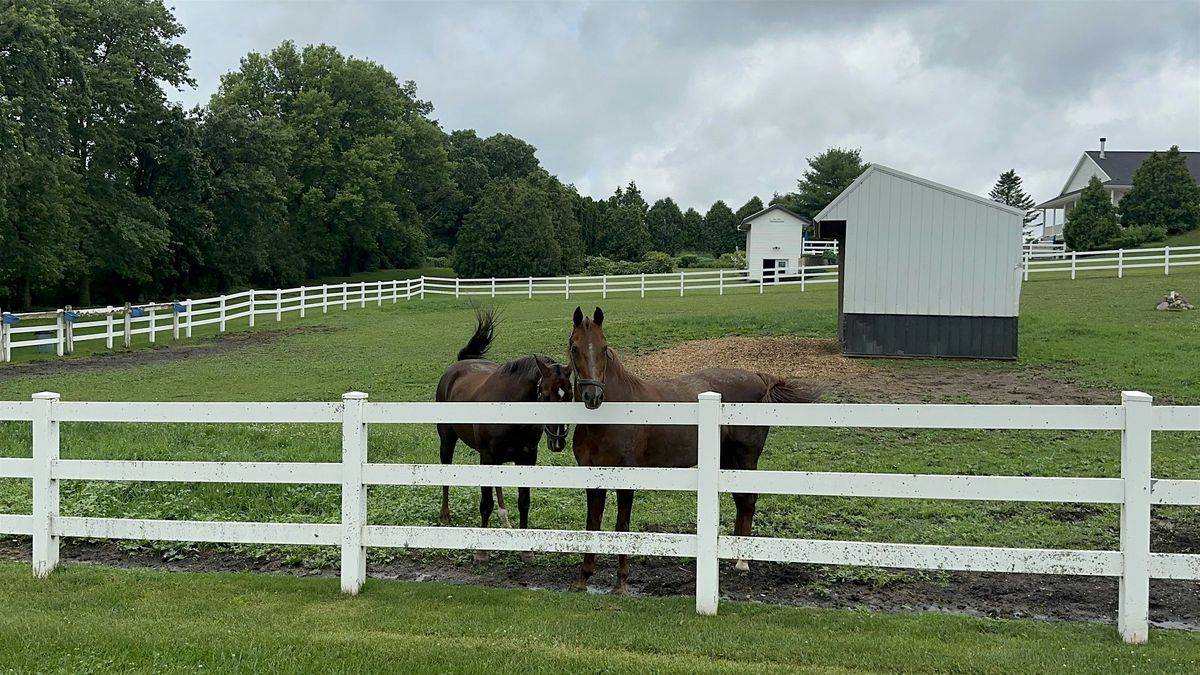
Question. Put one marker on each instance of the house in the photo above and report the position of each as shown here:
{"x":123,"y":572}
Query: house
{"x":1114,"y":168}
{"x":924,"y":269}
{"x":774,"y":243}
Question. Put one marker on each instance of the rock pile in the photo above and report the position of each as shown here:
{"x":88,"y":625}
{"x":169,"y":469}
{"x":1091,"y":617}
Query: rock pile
{"x":1175,"y":301}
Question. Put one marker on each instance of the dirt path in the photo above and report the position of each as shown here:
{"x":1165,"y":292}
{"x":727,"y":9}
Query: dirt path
{"x":1173,"y":604}
{"x":167,"y":353}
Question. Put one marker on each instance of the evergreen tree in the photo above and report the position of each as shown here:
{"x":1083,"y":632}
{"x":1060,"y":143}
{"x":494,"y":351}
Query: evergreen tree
{"x":828,"y":174}
{"x":1008,"y":191}
{"x":692,"y":237}
{"x":720,"y":230}
{"x":509,"y":233}
{"x":622,"y":234}
{"x":1164,"y":194}
{"x":1092,"y":223}
{"x":751,"y":207}
{"x":665,"y":222}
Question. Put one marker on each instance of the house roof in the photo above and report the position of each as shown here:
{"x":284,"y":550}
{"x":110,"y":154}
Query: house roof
{"x":1120,"y":165}
{"x":745,"y":224}
{"x":879,"y":168}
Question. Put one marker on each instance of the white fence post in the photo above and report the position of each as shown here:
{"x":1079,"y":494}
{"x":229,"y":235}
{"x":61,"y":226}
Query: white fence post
{"x":354,"y":493}
{"x":345,"y":295}
{"x":681,"y":284}
{"x":153,"y":325}
{"x":279,"y":304}
{"x":802,"y":274}
{"x":1072,"y":265}
{"x":396,"y":290}
{"x":324,"y":298}
{"x":70,"y":327}
{"x":221,"y":314}
{"x":530,"y":288}
{"x":567,"y":286}
{"x":45,"y":487}
{"x":187,"y":305}
{"x":60,"y":333}
{"x":108,"y":327}
{"x":456,"y":287}
{"x":708,"y":503}
{"x":1133,"y":612}
{"x":643,"y":284}
{"x":1120,"y":263}
{"x":175,"y":321}
{"x":362,"y":294}
{"x":127,"y":325}
{"x":604,"y":286}
{"x":1025,"y":264}
{"x":761,"y":277}
{"x":720,"y":282}
{"x":423,"y":287}
{"x":302,"y":302}
{"x":252,"y":308}
{"x":5,"y":350}
{"x":1166,"y":260}
{"x":493,"y":287}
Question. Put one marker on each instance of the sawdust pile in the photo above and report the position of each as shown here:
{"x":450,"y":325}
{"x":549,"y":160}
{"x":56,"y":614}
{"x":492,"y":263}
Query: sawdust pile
{"x":801,"y":357}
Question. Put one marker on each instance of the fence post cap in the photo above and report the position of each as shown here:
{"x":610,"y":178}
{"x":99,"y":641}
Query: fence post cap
{"x":354,"y":396}
{"x":1136,"y":397}
{"x":46,"y":396}
{"x":709,"y":396}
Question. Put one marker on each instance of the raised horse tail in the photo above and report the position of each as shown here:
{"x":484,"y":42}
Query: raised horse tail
{"x":788,"y":391}
{"x":485,"y":328}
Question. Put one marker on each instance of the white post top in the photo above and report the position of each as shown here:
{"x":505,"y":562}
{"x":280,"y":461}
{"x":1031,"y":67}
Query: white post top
{"x":1136,"y":397}
{"x":354,"y":396}
{"x":46,"y":396}
{"x":709,"y":396}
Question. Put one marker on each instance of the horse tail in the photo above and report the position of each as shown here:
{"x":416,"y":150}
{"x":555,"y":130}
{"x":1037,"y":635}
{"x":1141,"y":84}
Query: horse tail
{"x":789,"y":391}
{"x":485,"y":328}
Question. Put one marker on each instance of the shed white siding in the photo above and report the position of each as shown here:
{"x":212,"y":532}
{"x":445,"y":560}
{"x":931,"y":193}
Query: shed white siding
{"x":775,"y":235}
{"x":914,"y":247}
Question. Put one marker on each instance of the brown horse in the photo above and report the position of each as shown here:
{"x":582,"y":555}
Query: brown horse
{"x":474,"y":378}
{"x":599,"y":376}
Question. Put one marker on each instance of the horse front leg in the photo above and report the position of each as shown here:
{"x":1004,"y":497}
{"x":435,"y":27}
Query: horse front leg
{"x":745,"y":502}
{"x":624,"y":510}
{"x":595,"y":516}
{"x":523,"y":500}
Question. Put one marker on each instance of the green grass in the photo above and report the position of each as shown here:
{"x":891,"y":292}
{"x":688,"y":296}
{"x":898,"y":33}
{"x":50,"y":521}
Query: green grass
{"x":1099,"y":332}
{"x":96,"y":620}
{"x":1186,"y":239}
{"x":385,"y":275}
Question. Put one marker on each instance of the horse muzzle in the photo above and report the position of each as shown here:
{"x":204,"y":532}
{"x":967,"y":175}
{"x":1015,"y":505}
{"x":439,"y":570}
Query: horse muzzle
{"x":556,"y":437}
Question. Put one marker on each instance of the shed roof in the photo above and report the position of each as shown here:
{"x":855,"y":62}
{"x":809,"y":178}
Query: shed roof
{"x":742,"y":226}
{"x":879,"y":168}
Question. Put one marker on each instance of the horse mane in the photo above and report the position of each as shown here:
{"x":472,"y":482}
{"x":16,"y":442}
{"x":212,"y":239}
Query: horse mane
{"x":526,"y":367}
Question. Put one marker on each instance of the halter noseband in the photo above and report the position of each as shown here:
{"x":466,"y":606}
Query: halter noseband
{"x":586,"y":382}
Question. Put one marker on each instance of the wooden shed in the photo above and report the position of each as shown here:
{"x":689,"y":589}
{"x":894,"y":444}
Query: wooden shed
{"x":924,"y":269}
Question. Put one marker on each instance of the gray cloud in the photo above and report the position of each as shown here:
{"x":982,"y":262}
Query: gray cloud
{"x":704,"y":101}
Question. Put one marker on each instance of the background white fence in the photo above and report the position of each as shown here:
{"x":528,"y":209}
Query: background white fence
{"x":1135,"y":490}
{"x":62,"y":329}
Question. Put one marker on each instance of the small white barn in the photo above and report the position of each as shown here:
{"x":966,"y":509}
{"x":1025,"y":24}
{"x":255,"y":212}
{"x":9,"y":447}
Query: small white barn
{"x":924,"y":269}
{"x":774,"y":243}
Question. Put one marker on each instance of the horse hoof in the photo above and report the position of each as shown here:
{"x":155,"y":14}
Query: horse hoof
{"x":445,"y":521}
{"x":527,"y":557}
{"x":481,"y":556}
{"x":742,"y":566}
{"x":503,"y":513}
{"x":620,"y":588}
{"x":579,"y":586}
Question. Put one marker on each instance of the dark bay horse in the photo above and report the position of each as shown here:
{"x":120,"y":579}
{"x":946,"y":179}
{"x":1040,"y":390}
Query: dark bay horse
{"x":474,"y":378}
{"x":599,"y":377}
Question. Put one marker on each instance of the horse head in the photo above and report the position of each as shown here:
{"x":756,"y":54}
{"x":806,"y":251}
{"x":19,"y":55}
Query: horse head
{"x":554,"y":386}
{"x":589,"y":356}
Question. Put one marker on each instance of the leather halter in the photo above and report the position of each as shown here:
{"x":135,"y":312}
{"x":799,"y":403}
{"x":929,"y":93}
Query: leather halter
{"x":588,"y":382}
{"x":547,"y":428}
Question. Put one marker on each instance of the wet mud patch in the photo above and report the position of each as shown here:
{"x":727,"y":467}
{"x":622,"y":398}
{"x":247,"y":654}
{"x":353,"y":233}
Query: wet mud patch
{"x":166,"y":353}
{"x":818,"y":361}
{"x":1173,"y":604}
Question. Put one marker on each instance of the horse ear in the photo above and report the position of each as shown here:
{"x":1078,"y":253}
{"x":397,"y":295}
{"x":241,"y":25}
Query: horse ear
{"x":598,"y":316}
{"x":543,"y":366}
{"x":578,"y":315}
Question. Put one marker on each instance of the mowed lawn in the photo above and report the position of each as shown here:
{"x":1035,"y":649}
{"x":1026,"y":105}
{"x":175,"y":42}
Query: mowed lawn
{"x":96,"y":620}
{"x":1100,"y":332}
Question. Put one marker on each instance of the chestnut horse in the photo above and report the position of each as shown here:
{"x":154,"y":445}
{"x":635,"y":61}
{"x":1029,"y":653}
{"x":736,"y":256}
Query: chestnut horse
{"x":599,"y":377}
{"x":474,"y":378}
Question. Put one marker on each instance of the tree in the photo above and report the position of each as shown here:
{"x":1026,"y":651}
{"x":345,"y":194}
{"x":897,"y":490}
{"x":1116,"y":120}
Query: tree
{"x":623,"y":234}
{"x":1008,"y":191}
{"x":720,"y":230}
{"x":665,"y":222}
{"x":505,"y":155}
{"x":1164,"y":194}
{"x":751,"y":207}
{"x":561,"y":202}
{"x":1092,"y":223}
{"x":509,"y":233}
{"x":692,"y":237}
{"x":828,"y":174}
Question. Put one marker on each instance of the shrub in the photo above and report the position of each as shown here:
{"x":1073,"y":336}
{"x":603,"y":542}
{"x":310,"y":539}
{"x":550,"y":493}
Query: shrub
{"x":735,"y":260}
{"x":1132,"y":237}
{"x":438,"y":261}
{"x":656,"y":262}
{"x":688,"y":260}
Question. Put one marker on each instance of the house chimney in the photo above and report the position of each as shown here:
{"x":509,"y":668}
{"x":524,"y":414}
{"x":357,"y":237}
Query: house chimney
{"x":1102,"y":139}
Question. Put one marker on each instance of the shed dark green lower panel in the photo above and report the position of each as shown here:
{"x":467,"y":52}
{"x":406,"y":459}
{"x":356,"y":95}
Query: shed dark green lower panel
{"x":976,"y":337}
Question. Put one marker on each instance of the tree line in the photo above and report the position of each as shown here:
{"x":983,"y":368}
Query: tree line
{"x":304,"y":163}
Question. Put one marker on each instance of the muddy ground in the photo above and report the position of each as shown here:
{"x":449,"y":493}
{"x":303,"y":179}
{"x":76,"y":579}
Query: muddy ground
{"x":816,"y":361}
{"x":1173,"y":604}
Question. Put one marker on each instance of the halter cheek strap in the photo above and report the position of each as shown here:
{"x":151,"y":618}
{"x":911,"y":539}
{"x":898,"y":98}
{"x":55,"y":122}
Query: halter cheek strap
{"x":548,"y":427}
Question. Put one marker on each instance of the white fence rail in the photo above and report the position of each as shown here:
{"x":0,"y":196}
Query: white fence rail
{"x":1135,"y":490}
{"x":61,"y":330}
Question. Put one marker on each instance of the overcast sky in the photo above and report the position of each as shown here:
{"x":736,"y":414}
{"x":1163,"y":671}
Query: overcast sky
{"x":703,"y":101}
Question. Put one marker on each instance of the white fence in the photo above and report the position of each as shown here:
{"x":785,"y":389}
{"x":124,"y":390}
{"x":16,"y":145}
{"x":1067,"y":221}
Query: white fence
{"x":1135,"y":490}
{"x":61,"y":330}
